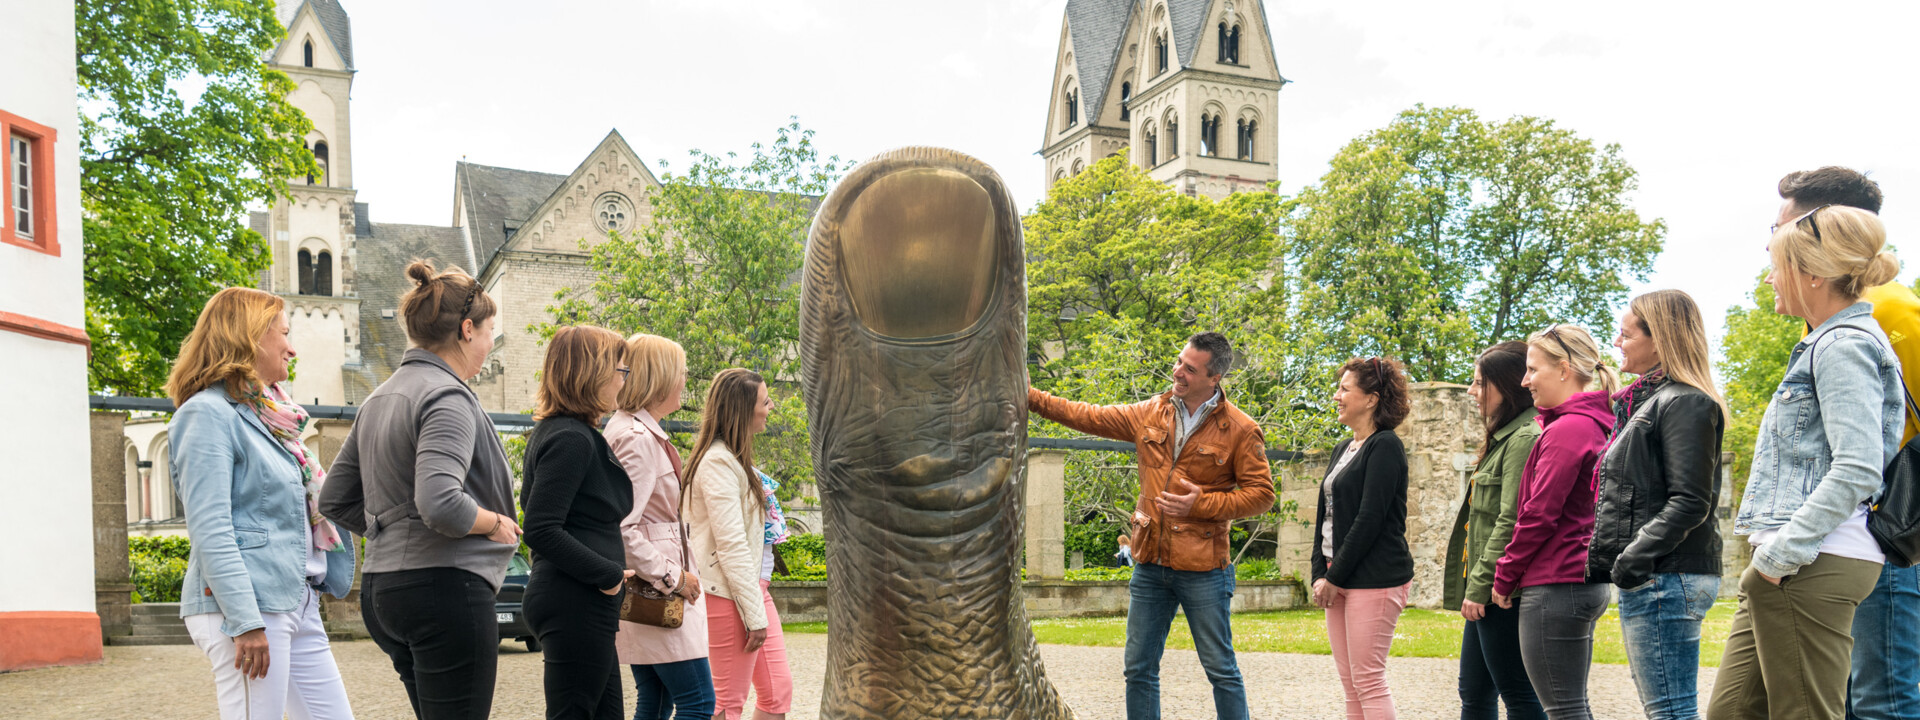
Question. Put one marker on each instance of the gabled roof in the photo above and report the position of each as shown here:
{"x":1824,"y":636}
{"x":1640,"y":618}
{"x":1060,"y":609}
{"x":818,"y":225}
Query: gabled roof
{"x":333,"y":19}
{"x":495,"y":198}
{"x":1098,"y":28}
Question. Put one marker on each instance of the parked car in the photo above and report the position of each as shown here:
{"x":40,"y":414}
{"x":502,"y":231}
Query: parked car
{"x":506,"y":605}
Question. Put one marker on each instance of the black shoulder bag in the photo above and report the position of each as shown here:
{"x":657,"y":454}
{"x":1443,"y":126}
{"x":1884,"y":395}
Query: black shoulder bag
{"x":1895,"y":520}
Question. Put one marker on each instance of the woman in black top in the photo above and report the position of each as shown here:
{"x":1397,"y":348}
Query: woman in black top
{"x":1361,"y":565}
{"x":575,"y":495}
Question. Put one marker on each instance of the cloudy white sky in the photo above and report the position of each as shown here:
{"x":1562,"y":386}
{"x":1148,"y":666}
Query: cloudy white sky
{"x":1712,"y":102}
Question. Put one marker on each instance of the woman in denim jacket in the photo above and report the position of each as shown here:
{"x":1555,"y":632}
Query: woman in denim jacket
{"x":1826,"y":437}
{"x":261,"y":552}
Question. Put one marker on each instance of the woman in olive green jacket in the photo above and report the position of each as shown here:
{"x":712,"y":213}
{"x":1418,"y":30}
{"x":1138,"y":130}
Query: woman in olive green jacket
{"x":1490,"y":667}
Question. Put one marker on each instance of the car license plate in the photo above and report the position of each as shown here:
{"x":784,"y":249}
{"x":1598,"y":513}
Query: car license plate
{"x":505,"y":617}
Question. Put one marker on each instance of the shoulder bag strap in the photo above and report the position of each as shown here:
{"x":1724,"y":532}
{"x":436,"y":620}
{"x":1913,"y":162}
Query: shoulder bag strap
{"x":1814,"y":379}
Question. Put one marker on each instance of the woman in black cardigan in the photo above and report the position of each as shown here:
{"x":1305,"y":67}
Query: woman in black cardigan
{"x":575,"y":495}
{"x":1361,"y":564}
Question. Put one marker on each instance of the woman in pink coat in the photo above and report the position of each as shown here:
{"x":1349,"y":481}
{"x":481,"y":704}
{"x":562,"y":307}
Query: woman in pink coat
{"x":670,"y":673}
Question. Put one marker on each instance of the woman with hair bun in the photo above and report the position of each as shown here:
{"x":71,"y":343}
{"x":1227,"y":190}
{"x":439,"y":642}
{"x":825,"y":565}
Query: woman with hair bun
{"x":1362,"y":567}
{"x":1543,"y":572}
{"x":424,"y":479}
{"x":1828,"y":433}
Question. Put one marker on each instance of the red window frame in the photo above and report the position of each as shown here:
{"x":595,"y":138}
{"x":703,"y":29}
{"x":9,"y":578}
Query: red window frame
{"x":46,"y":237}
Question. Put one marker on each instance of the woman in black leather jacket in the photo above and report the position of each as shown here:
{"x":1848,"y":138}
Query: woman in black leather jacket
{"x":1655,"y":535}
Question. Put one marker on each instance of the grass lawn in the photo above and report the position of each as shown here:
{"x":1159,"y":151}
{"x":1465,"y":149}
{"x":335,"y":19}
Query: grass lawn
{"x":1422,"y":633}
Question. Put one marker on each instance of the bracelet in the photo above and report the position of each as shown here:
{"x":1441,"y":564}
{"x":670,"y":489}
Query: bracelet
{"x":496,"y":523}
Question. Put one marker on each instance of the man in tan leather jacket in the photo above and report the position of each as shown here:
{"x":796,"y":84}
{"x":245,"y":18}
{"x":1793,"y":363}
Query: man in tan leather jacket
{"x":1203,"y":464}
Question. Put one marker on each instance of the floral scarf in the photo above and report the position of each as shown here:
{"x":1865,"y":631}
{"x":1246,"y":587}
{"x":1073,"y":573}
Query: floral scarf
{"x":776,"y":523}
{"x":286,"y":419}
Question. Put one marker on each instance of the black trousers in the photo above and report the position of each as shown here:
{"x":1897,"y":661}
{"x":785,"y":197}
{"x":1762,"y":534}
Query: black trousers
{"x":575,"y":625}
{"x":1491,"y":669}
{"x":438,"y":627}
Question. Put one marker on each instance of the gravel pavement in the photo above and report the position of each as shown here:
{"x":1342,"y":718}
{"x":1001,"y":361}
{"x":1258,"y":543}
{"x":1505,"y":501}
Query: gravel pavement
{"x":161,"y":683}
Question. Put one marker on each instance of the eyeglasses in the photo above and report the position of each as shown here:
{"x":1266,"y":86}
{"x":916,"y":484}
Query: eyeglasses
{"x":624,"y":372}
{"x":1812,"y":223}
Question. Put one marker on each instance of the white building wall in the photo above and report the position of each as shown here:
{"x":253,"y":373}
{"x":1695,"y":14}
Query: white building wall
{"x":46,"y":524}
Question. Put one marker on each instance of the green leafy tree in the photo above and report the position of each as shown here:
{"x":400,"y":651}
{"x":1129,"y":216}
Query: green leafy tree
{"x":1441,"y":234}
{"x":182,"y":125}
{"x":1753,"y":359}
{"x":717,"y":271}
{"x":1123,"y":270}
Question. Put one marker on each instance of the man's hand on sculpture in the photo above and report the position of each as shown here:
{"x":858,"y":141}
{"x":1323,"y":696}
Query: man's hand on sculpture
{"x":1178,"y":505}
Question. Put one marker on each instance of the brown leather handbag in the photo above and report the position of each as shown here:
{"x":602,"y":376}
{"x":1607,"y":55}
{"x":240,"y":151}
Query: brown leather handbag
{"x":642,"y":604}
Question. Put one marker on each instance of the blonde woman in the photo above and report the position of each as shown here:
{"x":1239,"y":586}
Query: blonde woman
{"x":1829,"y":430}
{"x":261,"y":552}
{"x":728,"y":515}
{"x":1654,"y":533}
{"x":575,"y":496}
{"x":671,"y":677}
{"x":1543,"y":571}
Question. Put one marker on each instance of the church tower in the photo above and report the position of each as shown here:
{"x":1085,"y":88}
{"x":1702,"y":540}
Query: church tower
{"x":1189,"y":87}
{"x":311,"y":230}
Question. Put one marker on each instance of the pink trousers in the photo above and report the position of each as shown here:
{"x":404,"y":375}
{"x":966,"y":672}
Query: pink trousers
{"x":1360,"y":623}
{"x":735,"y":669}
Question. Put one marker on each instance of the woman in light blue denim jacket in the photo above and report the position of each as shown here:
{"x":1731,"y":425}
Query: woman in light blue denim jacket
{"x":1828,"y":433}
{"x":261,"y":553}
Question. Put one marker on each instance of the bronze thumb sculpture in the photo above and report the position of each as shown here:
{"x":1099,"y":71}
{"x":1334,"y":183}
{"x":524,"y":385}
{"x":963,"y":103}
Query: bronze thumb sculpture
{"x":913,"y":349}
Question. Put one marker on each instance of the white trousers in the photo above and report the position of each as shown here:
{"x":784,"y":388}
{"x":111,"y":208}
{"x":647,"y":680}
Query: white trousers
{"x":302,"y":681}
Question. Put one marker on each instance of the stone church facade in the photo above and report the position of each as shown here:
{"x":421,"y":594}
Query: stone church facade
{"x":1188,"y":88}
{"x":520,"y":232}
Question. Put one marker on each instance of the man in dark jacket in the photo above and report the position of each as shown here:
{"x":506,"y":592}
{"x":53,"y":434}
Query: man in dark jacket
{"x":1203,"y":464}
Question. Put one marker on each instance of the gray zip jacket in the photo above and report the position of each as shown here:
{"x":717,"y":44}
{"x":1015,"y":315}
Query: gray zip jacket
{"x":420,"y":463}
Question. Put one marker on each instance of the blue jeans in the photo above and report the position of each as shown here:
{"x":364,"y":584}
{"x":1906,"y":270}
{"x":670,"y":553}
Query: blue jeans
{"x":1886,"y":649}
{"x":1156,"y":591}
{"x":1660,"y":621}
{"x":659,"y":689}
{"x":1491,"y":670}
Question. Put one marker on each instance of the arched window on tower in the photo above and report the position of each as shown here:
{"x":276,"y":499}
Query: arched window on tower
{"x":1126,"y":96}
{"x":303,"y":267}
{"x":1245,"y":137}
{"x":1173,"y":138}
{"x":1160,"y":51}
{"x":1073,"y":108}
{"x":1153,"y":148}
{"x":1222,"y":42}
{"x":309,"y":53}
{"x":323,"y":274}
{"x":1233,"y":45}
{"x":320,"y":158}
{"x":1209,"y":145}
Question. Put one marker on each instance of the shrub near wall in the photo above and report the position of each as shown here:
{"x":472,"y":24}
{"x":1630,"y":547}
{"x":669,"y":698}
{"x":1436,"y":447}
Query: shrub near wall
{"x":159,"y":568}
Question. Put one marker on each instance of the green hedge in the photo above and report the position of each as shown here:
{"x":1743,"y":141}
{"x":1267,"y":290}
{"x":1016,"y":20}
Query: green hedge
{"x":159,"y":567}
{"x":805,"y":556}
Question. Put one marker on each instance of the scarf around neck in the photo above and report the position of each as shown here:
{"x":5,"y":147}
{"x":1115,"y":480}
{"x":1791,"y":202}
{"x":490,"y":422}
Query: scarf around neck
{"x":286,"y":420}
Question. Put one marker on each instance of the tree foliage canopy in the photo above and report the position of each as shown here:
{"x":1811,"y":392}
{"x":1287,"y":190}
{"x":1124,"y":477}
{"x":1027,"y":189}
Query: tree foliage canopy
{"x":182,"y":125}
{"x":1441,"y":234}
{"x":717,"y":270}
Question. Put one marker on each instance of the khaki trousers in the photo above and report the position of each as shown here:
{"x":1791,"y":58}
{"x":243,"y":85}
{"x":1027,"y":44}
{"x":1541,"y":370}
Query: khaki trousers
{"x":1792,"y":644}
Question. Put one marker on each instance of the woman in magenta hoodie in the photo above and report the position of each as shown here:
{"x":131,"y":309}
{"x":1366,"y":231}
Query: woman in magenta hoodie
{"x":1545,"y":566}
